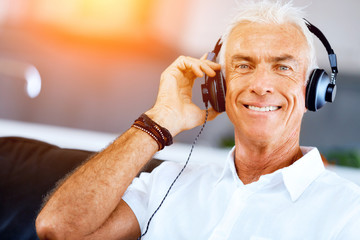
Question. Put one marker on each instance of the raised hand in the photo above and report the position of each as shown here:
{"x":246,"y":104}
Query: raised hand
{"x":174,"y":108}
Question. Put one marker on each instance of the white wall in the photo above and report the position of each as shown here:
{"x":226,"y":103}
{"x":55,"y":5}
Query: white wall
{"x":338,"y":20}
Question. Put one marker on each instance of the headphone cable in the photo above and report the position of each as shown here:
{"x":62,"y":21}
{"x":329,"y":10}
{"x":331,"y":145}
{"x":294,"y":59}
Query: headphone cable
{"x":181,"y":171}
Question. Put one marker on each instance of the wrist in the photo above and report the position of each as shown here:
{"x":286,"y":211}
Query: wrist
{"x":164,"y":119}
{"x":160,"y":134}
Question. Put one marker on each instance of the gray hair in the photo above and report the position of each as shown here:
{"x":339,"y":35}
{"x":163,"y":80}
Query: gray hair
{"x":266,"y":11}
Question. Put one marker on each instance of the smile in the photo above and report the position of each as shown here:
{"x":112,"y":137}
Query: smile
{"x":263,"y":109}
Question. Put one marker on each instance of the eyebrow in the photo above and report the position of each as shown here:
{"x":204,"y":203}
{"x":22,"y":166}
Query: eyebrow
{"x":285,"y":57}
{"x":281,"y":58}
{"x":241,"y":57}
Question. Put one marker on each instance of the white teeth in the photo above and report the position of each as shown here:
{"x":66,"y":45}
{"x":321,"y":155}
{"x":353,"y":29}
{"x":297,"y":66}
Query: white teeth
{"x":263,"y":109}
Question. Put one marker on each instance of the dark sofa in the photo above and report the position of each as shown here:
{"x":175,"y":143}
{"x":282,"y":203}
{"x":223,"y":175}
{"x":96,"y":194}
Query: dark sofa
{"x":29,"y":169}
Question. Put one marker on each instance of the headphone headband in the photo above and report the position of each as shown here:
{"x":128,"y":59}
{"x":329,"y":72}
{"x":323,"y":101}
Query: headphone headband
{"x":330,"y":51}
{"x":217,"y":47}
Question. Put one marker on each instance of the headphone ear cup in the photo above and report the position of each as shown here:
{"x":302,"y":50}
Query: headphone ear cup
{"x":217,"y":91}
{"x":316,"y":90}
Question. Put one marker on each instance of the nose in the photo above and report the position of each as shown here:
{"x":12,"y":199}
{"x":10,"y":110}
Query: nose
{"x":261,"y":83}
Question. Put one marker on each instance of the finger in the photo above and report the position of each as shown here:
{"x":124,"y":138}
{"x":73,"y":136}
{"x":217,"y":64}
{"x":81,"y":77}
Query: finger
{"x":189,"y":63}
{"x":207,"y":70}
{"x":181,"y":63}
{"x":206,"y":67}
{"x":213,"y":65}
{"x":204,"y":56}
{"x":196,"y":68}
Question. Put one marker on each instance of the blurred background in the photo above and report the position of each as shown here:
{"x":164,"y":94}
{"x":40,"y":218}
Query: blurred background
{"x":100,"y":62}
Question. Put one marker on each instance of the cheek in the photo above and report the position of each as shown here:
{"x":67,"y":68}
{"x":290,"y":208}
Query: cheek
{"x":233,"y":89}
{"x":298,"y":109}
{"x":235,"y":81}
{"x":230,"y":102}
{"x":232,"y":86}
{"x":301,"y":96}
{"x":294,"y":91}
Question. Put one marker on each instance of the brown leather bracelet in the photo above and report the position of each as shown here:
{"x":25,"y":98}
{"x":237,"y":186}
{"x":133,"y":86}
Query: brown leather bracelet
{"x":160,"y":134}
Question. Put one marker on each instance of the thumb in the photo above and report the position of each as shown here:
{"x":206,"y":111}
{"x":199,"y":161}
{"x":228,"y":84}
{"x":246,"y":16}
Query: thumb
{"x":212,"y":114}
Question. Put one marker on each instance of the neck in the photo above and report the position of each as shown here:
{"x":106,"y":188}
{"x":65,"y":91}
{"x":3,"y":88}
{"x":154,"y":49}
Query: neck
{"x":253,"y":160}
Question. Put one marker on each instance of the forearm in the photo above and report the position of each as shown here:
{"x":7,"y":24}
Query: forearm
{"x":88,"y":197}
{"x":87,"y":203}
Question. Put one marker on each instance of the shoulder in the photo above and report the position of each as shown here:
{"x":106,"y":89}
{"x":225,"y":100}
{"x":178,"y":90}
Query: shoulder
{"x":170,"y":169}
{"x":342,"y":200}
{"x":167,"y":171}
{"x":340,"y":187}
{"x":346,"y":195}
{"x":331,"y":178}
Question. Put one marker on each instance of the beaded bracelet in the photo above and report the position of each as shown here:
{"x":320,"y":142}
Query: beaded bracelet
{"x":161,"y":135}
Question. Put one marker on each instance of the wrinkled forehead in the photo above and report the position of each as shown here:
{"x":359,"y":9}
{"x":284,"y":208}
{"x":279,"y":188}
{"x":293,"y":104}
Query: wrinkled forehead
{"x":265,"y":38}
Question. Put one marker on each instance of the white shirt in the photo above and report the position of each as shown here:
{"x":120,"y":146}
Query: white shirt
{"x":302,"y":201}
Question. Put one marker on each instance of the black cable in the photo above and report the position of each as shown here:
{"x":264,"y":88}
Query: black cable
{"x":181,"y":171}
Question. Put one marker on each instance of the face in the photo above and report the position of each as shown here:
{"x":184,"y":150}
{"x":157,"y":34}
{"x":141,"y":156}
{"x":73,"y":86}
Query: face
{"x":265,"y":77}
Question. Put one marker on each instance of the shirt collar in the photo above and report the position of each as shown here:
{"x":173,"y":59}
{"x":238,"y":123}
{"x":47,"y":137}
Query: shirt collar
{"x":303,"y":172}
{"x":297,"y":177}
{"x":229,"y":168}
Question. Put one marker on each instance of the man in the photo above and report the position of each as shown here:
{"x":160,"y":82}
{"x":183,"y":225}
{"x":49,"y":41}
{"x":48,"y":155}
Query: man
{"x":270,"y":187}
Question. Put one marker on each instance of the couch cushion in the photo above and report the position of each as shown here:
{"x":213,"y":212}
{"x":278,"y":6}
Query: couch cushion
{"x":28,"y":170}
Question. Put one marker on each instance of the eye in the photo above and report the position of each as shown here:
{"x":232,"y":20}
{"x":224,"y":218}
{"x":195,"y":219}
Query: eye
{"x":284,"y":68}
{"x":242,"y":67}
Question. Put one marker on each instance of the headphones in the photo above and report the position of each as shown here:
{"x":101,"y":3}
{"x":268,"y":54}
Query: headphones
{"x":320,"y":88}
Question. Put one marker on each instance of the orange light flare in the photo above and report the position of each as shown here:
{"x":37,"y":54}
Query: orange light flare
{"x":94,"y":18}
